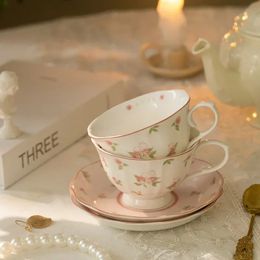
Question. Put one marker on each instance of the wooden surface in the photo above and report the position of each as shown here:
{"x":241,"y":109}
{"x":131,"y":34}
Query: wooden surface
{"x":19,"y":12}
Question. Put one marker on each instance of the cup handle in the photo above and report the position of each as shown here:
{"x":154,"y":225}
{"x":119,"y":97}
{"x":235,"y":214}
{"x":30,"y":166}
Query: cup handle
{"x":192,"y":123}
{"x":211,"y":169}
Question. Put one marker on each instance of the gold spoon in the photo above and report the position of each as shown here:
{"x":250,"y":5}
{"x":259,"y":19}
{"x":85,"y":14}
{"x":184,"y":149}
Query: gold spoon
{"x":251,"y":202}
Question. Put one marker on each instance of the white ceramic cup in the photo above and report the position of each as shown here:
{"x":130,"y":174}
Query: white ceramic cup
{"x":151,"y":126}
{"x":147,"y":184}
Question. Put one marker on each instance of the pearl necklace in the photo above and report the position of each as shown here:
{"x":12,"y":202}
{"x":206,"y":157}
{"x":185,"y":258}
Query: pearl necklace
{"x":32,"y":242}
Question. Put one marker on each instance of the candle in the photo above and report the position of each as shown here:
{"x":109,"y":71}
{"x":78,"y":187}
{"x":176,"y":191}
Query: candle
{"x":172,"y":22}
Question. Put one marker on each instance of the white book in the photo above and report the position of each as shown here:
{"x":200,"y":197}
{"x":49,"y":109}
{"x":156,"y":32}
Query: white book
{"x":54,"y":108}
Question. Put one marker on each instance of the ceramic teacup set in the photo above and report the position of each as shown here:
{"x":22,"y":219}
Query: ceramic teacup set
{"x":147,"y":148}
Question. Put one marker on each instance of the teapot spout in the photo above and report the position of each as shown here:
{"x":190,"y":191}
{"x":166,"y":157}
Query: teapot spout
{"x":225,"y":83}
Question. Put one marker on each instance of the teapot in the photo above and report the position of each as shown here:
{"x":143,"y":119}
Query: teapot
{"x":232,"y":70}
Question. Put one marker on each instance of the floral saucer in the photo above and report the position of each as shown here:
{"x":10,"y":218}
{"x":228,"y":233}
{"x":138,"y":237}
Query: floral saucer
{"x":147,"y":226}
{"x":92,"y":189}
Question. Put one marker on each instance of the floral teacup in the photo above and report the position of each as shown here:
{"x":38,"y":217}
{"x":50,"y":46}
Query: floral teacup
{"x":151,"y":126}
{"x":148,"y":184}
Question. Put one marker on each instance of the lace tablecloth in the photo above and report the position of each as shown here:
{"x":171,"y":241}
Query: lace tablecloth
{"x":110,"y":42}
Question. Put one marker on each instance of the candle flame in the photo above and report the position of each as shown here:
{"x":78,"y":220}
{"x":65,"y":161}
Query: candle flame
{"x":169,"y":7}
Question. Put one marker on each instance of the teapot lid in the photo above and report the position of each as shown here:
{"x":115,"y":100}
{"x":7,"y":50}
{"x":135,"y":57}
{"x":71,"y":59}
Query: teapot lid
{"x":249,"y":21}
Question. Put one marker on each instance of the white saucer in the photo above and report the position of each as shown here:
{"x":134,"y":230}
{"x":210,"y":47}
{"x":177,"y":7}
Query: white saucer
{"x":92,"y":189}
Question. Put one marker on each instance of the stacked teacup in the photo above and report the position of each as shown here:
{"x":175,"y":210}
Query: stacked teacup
{"x":147,"y":146}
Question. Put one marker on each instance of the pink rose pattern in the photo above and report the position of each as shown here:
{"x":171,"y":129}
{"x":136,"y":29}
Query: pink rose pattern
{"x":83,"y":190}
{"x":176,"y":123}
{"x":146,"y":181}
{"x":121,"y":165}
{"x":117,"y":181}
{"x":129,"y":107}
{"x":143,"y":152}
{"x":162,"y":97}
{"x":172,"y":149}
{"x":111,"y":144}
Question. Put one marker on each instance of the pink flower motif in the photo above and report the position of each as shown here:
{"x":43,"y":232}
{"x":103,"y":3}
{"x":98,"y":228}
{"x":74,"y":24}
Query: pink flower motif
{"x":178,"y":120}
{"x":142,"y":152}
{"x":172,"y":149}
{"x":129,"y":107}
{"x":136,"y":155}
{"x":120,"y":164}
{"x":146,"y":181}
{"x":83,"y":190}
{"x":117,"y":181}
{"x":118,"y":161}
{"x":140,"y":178}
{"x":176,"y":123}
{"x":111,"y":144}
{"x":162,"y":97}
{"x":151,"y":180}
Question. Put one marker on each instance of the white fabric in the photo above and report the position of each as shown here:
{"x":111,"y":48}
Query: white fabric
{"x":109,"y":42}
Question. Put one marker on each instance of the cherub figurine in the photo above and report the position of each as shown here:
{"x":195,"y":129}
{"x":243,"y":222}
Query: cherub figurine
{"x":8,"y":87}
